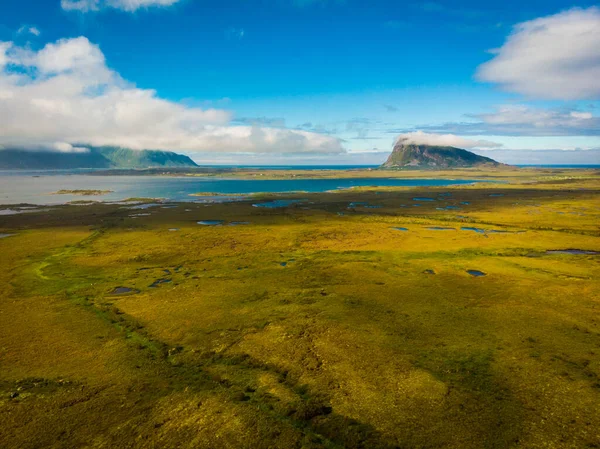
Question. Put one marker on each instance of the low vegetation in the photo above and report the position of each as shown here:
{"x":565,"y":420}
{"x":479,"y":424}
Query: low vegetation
{"x":309,"y":326}
{"x":82,"y":192}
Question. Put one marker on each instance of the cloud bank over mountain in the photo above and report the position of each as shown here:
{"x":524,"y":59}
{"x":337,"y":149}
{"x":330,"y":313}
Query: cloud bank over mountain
{"x":65,"y":96}
{"x":445,"y":140}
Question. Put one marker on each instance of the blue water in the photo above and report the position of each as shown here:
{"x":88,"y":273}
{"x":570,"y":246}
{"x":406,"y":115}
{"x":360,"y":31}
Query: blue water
{"x":211,"y":222}
{"x":36,"y":190}
{"x":478,"y":230}
{"x":294,"y":167}
{"x":476,"y":273}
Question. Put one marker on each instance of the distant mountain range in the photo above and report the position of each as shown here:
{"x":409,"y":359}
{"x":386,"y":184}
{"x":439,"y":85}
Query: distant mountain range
{"x":409,"y":155}
{"x":97,"y":157}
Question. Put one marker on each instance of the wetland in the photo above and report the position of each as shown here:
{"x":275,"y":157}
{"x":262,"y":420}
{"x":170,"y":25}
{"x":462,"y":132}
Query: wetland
{"x":307,"y":325}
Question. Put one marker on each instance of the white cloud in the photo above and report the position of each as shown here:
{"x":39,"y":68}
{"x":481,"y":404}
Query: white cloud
{"x":449,"y":140}
{"x":554,"y":57}
{"x":544,"y":157}
{"x":581,"y":115}
{"x":53,"y":147}
{"x":540,"y":119}
{"x":76,"y":54}
{"x":235,"y":33}
{"x":64,"y":94}
{"x":29,"y":29}
{"x":523,"y":120}
{"x":125,"y":5}
{"x":4,"y":47}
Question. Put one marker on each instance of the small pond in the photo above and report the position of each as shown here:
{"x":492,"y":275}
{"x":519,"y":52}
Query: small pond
{"x":584,"y":252}
{"x":478,"y":230}
{"x":124,"y":291}
{"x":158,"y":282}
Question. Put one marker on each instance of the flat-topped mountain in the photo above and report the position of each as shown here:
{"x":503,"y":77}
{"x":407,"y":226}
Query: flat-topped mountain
{"x":412,"y":155}
{"x":96,"y":157}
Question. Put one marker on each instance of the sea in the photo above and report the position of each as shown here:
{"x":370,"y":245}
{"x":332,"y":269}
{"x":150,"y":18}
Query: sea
{"x":37,"y":186}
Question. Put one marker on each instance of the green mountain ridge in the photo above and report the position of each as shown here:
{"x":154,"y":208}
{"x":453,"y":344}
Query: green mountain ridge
{"x":97,"y":157}
{"x":410,"y":155}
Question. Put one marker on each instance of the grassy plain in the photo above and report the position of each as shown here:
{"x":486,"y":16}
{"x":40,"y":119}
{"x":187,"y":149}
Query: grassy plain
{"x":311,"y":326}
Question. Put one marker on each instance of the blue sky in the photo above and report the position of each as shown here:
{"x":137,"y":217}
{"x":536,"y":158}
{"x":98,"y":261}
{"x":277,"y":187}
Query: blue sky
{"x":356,"y":72}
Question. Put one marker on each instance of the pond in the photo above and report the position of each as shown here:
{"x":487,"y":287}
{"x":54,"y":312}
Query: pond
{"x":23,"y":210}
{"x":124,"y":291}
{"x":210,"y":222}
{"x":478,"y":230}
{"x":584,"y":252}
{"x":158,"y":282}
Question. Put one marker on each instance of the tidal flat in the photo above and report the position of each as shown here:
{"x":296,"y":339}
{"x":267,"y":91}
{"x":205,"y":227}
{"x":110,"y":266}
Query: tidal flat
{"x":313,"y":325}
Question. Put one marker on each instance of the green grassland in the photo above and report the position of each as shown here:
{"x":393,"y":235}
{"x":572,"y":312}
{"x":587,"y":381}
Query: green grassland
{"x":313,"y":326}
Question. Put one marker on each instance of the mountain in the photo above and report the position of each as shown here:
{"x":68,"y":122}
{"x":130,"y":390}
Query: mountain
{"x":412,"y":155}
{"x":97,"y":157}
